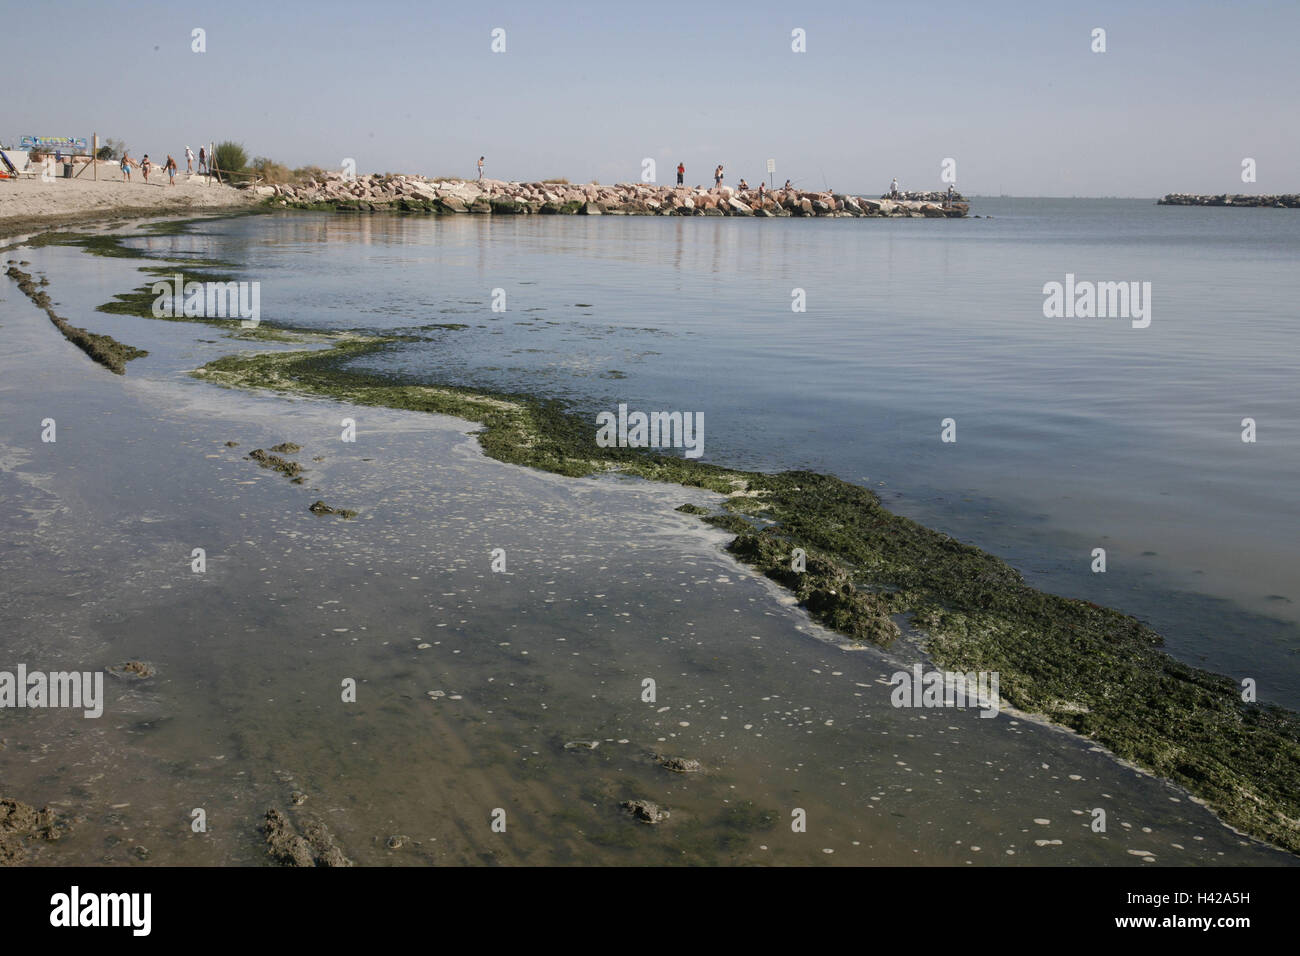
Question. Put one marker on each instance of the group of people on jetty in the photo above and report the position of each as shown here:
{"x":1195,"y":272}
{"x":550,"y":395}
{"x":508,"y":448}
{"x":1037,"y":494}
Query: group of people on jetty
{"x":762,"y":191}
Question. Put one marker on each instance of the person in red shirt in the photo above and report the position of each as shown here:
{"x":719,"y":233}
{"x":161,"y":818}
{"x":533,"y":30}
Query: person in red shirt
{"x":681,"y":173}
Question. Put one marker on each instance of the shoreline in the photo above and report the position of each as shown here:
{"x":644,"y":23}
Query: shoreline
{"x":11,"y":226}
{"x":30,"y":205}
{"x":867,"y":567}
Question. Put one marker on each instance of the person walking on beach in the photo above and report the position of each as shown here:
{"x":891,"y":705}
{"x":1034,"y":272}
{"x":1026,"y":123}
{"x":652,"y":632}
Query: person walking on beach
{"x":203,"y":159}
{"x":480,"y":167}
{"x":145,"y":166}
{"x":126,"y":165}
{"x":681,"y":174}
{"x":171,"y":169}
{"x":189,"y":161}
{"x":717,"y":176}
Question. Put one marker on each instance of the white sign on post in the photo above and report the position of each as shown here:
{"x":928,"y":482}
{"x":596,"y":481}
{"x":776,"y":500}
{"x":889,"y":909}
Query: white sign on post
{"x":771,"y":165}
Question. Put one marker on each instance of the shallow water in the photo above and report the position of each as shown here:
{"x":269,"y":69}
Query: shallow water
{"x":1072,"y":434}
{"x":606,"y":586}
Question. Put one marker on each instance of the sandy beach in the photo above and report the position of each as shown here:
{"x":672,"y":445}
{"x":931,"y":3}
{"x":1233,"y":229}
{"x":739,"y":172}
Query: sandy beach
{"x":29,"y":202}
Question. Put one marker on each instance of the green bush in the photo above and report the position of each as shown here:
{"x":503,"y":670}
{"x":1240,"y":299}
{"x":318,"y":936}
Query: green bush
{"x":110,"y":148}
{"x":269,"y":171}
{"x":228,"y":158}
{"x":304,"y":173}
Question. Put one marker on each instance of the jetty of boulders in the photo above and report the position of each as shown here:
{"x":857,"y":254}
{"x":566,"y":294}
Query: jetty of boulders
{"x":417,"y":194}
{"x":1283,"y":201}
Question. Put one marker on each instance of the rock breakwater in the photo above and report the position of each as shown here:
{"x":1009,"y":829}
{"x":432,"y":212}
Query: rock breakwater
{"x":1282,"y":201}
{"x":416,"y":194}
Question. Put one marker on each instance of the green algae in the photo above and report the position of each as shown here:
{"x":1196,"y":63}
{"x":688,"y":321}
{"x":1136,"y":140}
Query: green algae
{"x":321,"y":508}
{"x":104,"y":349}
{"x":1092,"y":669}
{"x":290,"y":469}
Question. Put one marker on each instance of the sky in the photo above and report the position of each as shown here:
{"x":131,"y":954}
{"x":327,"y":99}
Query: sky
{"x":1012,"y":92}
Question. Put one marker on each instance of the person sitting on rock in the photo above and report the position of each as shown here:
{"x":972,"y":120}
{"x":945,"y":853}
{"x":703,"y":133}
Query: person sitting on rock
{"x":742,"y":185}
{"x":787,"y":187}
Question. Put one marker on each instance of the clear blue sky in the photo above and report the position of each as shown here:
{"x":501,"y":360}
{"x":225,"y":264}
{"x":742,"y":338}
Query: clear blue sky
{"x":1012,"y":91}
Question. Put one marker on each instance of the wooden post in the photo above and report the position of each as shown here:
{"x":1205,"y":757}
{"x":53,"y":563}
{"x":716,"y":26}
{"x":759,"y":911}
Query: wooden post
{"x":94,"y":154}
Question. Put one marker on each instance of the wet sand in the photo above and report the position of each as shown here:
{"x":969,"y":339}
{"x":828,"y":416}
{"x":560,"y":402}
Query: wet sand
{"x":606,"y":586}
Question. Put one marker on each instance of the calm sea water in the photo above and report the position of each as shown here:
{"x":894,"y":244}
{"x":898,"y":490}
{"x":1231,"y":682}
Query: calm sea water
{"x":1072,"y":434}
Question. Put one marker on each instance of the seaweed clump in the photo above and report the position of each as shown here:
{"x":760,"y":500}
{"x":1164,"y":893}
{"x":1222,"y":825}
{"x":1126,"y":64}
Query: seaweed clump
{"x":104,"y":349}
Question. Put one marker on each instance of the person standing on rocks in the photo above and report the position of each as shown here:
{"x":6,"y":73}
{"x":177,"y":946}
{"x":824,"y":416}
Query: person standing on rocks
{"x":951,"y":193}
{"x":717,"y":176}
{"x":681,"y":174}
{"x":480,"y":167}
{"x":893,"y":189}
{"x":762,"y":191}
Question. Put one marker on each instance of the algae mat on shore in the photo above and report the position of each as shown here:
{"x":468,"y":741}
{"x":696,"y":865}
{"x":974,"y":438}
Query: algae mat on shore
{"x":1086,"y":667}
{"x":1092,"y":669}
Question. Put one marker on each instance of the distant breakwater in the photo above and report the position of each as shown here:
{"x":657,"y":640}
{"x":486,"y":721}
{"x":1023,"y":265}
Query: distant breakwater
{"x":416,"y":194}
{"x":1282,"y":201}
